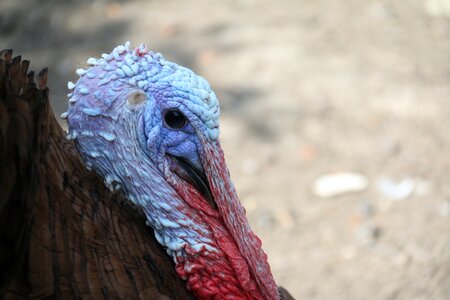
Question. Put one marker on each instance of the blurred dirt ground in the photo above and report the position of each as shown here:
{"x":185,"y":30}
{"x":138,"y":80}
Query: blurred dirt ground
{"x":307,"y":88}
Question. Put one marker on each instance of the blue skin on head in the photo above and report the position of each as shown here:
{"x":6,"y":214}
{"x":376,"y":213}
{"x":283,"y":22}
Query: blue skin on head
{"x":104,"y":95}
{"x":161,"y":139}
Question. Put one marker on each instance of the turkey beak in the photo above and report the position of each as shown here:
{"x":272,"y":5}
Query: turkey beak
{"x":196,"y":177}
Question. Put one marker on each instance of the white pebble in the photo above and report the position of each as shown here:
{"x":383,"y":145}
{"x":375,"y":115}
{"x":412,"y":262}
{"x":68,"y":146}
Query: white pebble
{"x":396,"y":190}
{"x":339,"y":183}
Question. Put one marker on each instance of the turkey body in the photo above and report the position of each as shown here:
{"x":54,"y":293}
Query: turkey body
{"x":63,"y":234}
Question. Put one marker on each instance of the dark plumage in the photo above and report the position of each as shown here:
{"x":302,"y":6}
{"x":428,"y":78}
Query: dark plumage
{"x":63,"y":234}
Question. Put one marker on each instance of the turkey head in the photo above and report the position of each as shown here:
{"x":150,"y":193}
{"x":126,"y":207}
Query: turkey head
{"x":151,"y":127}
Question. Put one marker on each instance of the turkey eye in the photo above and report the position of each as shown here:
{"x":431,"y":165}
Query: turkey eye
{"x":174,"y":119}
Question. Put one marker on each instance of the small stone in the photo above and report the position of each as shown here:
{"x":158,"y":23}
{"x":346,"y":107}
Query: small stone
{"x":336,"y":184}
{"x":366,"y":209}
{"x":396,"y":190}
{"x":368,"y":233}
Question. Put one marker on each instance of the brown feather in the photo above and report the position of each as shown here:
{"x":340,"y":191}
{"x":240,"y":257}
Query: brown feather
{"x":63,"y":234}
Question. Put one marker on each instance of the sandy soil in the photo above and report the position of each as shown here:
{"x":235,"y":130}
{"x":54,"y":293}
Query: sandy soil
{"x":307,"y":88}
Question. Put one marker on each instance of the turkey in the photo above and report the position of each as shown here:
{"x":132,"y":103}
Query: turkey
{"x":148,"y":128}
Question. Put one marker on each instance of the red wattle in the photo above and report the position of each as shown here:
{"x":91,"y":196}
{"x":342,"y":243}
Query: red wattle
{"x":218,"y":274}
